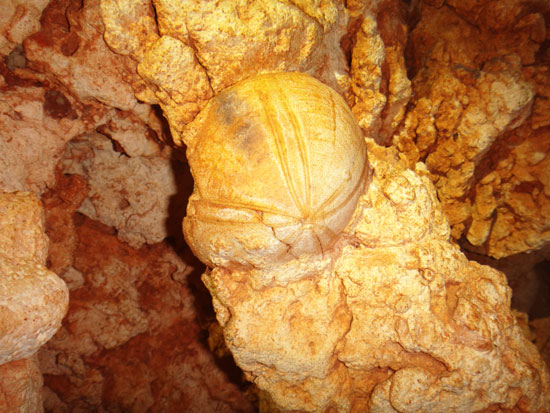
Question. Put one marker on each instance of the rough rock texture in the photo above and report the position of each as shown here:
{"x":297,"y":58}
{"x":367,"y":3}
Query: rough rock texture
{"x":19,"y":19}
{"x":31,"y":134}
{"x":200,"y":48}
{"x":380,"y":86}
{"x":437,"y":316}
{"x":134,"y":194}
{"x":69,"y":49}
{"x":542,"y":337}
{"x":33,"y":300}
{"x":400,"y":321}
{"x":480,"y":120}
{"x":61,"y":85}
{"x":528,"y":275}
{"x":64,"y":82}
{"x":197,"y":49}
{"x":131,"y":340}
{"x":21,"y":386}
{"x":60,"y":89}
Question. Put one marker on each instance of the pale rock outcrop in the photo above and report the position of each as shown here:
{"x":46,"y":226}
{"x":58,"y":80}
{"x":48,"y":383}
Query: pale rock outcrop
{"x":199,"y":48}
{"x":35,"y":125}
{"x":379,"y":82}
{"x":62,"y":82}
{"x":132,"y":194}
{"x":402,"y":320}
{"x":408,"y":312}
{"x":392,"y":316}
{"x":69,"y":49}
{"x":18,"y":20}
{"x":21,"y":386}
{"x":33,"y":300}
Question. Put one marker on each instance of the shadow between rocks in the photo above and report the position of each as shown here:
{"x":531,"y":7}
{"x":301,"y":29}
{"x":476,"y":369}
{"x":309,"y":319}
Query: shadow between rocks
{"x":202,"y":298}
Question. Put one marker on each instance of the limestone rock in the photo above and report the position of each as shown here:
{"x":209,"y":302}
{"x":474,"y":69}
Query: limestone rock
{"x":511,"y":207}
{"x":132,"y":339}
{"x":63,"y":83}
{"x":33,"y":300}
{"x":391,"y":303}
{"x":194,"y":50}
{"x":21,"y":386}
{"x":401,"y":322}
{"x":198,"y":48}
{"x":480,"y":92}
{"x":390,"y":317}
{"x":132,"y":194}
{"x":381,"y":88}
{"x":366,"y":70}
{"x":35,"y":125}
{"x":18,"y":20}
{"x":70,"y":48}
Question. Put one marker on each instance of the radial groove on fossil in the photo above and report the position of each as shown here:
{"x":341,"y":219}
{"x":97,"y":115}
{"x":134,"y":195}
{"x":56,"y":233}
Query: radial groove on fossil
{"x":279,"y":164}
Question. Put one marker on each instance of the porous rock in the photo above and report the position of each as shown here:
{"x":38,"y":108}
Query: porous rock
{"x":64,"y":81}
{"x":401,"y":321}
{"x":132,"y":338}
{"x":478,"y":120}
{"x":33,"y":300}
{"x":21,"y":386}
{"x":18,"y":20}
{"x":379,"y":82}
{"x":198,"y":48}
{"x":132,"y":194}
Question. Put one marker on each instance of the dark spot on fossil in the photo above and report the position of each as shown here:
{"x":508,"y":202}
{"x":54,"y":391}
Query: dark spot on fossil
{"x":229,"y":108}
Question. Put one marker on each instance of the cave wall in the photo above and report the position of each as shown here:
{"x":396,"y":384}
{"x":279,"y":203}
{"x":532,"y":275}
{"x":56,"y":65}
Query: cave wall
{"x":460,"y":86}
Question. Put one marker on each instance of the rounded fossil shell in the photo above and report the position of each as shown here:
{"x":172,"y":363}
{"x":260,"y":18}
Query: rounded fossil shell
{"x":279,"y":165}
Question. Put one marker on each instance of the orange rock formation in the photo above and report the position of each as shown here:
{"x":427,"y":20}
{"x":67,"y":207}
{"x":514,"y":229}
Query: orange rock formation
{"x":458,"y":89}
{"x":389,"y":316}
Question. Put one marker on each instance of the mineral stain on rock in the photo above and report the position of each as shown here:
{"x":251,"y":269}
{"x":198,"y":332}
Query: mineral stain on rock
{"x":57,"y":106}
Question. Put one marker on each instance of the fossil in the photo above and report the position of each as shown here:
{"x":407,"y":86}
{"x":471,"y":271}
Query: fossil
{"x":279,"y":164}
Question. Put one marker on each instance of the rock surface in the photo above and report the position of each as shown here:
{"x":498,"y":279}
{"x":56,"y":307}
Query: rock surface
{"x":400,"y":321}
{"x":33,"y":300}
{"x":308,"y":340}
{"x":480,"y":120}
{"x":198,"y":49}
{"x":21,"y":386}
{"x":134,"y":194}
{"x":19,"y":19}
{"x":131,"y":340}
{"x":61,"y":82}
{"x":379,"y":82}
{"x":475,"y":110}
